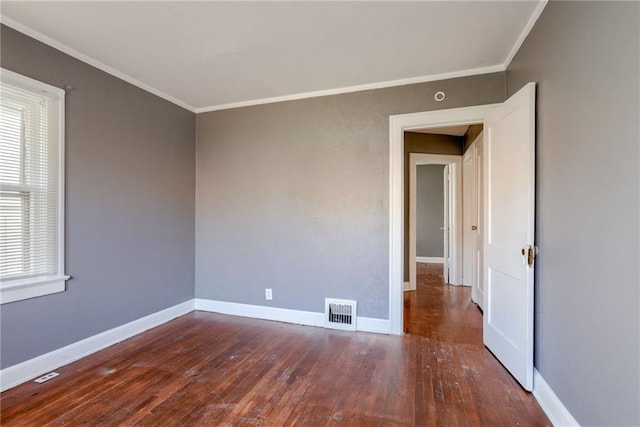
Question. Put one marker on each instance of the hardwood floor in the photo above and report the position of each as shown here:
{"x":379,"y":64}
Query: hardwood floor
{"x":440,"y":311}
{"x":210,"y":369}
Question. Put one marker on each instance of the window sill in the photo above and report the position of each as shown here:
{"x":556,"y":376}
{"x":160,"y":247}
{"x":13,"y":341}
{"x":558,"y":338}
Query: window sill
{"x":17,"y":290}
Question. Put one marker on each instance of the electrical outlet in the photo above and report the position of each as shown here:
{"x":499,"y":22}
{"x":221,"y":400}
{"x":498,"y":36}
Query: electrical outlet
{"x":268,"y":294}
{"x":46,"y":377}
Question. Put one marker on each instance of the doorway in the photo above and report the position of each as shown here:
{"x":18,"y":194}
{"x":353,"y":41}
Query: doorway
{"x":439,"y":259}
{"x":509,"y":219}
{"x":443,"y":231}
{"x":397,"y":126}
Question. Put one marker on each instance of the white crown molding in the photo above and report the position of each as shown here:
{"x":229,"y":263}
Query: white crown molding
{"x":91,"y":61}
{"x":558,"y":414}
{"x":23,"y":372}
{"x":307,"y":318}
{"x":297,"y":96}
{"x":525,"y":32}
{"x":357,"y":88}
{"x":303,"y":95}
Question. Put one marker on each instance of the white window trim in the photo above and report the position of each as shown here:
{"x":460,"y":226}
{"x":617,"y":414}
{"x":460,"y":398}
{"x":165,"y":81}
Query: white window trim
{"x":20,"y":289}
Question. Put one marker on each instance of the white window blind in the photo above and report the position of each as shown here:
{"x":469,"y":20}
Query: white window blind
{"x":31,"y":190}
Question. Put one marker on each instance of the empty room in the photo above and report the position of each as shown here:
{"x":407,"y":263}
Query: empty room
{"x":320,"y":213}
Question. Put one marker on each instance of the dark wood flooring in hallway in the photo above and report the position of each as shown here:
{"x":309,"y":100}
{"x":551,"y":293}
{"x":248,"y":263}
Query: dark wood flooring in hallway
{"x":439,"y":311}
{"x":208,"y":369}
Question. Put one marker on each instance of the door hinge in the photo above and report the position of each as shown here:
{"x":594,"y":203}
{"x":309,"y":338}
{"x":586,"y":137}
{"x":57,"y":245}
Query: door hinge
{"x":531,"y":256}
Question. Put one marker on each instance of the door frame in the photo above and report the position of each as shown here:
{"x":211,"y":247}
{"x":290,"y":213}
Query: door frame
{"x":398,"y":124}
{"x":455,"y":212}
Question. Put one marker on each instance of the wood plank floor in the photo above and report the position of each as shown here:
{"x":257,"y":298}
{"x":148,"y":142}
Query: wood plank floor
{"x":440,"y":311}
{"x":210,"y":369}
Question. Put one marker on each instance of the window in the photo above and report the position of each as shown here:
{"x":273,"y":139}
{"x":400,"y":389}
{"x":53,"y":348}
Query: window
{"x":31,"y":188}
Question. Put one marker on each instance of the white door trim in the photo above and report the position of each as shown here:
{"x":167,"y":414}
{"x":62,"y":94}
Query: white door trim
{"x":455,"y":163}
{"x":398,"y":124}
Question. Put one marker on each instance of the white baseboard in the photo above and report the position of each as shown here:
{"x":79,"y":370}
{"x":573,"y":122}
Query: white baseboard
{"x":407,"y":286}
{"x":369,"y":324}
{"x":558,"y":414}
{"x":22,"y":372}
{"x":430,"y":259}
{"x":308,"y":318}
{"x":12,"y":376}
{"x":29,"y":369}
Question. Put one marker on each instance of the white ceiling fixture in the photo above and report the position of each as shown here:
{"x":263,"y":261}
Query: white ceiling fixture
{"x":207,"y":56}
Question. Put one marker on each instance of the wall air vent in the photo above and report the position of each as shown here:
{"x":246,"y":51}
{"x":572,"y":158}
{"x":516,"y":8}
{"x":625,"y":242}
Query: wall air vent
{"x":340,"y":314}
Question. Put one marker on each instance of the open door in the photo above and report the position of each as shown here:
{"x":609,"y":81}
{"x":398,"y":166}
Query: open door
{"x":446,"y":227}
{"x":469,"y":221}
{"x":478,"y":288}
{"x":509,"y":184}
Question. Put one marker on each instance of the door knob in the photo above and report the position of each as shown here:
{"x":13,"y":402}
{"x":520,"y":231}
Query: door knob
{"x":473,"y":227}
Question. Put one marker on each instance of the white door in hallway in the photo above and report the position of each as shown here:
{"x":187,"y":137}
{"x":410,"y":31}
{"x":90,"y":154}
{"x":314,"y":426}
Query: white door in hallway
{"x":447,"y":225}
{"x":509,"y":190}
{"x":469,"y":213}
{"x":478,"y":289}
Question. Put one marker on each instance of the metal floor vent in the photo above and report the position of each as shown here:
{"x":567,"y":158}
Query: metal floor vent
{"x":340,"y":314}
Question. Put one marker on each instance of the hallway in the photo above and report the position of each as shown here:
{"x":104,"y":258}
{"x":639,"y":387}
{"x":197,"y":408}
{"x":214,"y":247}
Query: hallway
{"x":441,"y":312}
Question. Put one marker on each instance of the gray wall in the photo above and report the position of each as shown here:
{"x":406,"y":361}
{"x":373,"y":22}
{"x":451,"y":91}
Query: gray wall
{"x":294,"y":195}
{"x":429,"y":210}
{"x":129,"y":206}
{"x":584,"y":57}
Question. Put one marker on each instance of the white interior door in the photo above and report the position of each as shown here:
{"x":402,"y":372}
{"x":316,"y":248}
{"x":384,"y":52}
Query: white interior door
{"x":446,"y":226}
{"x":478,"y":289}
{"x":469,"y":221}
{"x":509,"y":165}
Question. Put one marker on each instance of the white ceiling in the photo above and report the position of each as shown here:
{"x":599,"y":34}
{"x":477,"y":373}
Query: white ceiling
{"x":445,"y":130}
{"x":212,"y":55}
